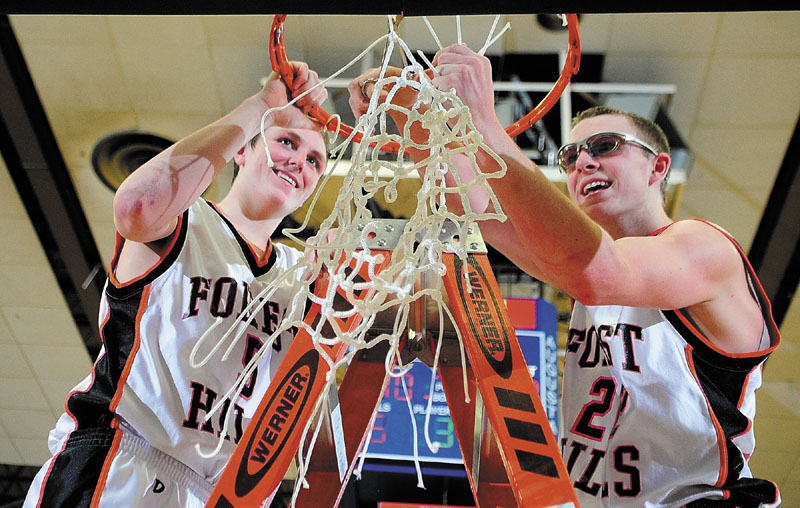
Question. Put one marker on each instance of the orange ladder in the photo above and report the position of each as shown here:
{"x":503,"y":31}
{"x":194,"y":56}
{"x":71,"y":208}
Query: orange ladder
{"x":510,"y":453}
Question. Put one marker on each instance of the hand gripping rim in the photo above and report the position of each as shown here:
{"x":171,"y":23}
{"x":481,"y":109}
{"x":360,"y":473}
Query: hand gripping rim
{"x":280,"y":64}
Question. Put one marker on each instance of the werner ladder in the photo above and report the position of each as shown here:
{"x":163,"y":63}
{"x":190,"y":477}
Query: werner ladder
{"x":509,"y":451}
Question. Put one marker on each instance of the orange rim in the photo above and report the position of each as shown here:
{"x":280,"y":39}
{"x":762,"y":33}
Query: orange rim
{"x":280,"y":64}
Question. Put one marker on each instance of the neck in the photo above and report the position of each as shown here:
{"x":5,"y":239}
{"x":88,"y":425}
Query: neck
{"x":643,"y":223}
{"x":255,"y":228}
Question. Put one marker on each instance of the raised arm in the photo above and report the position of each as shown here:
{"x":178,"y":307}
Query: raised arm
{"x":149,"y":201}
{"x":690,"y":265}
{"x":547,"y":231}
{"x":362,"y":88}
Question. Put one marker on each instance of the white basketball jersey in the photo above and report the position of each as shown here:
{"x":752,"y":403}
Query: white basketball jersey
{"x":144,"y":379}
{"x":655,"y":415}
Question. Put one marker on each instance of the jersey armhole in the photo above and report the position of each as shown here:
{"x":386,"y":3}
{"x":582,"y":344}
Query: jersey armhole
{"x":172,"y":246}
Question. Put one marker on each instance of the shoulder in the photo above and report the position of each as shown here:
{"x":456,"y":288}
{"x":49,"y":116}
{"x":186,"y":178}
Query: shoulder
{"x":704,"y":241}
{"x":205,"y":218}
{"x":286,"y":249}
{"x":685,"y":263}
{"x":286,"y":254}
{"x":204,"y":208}
{"x":731,"y":318}
{"x":693,"y":226}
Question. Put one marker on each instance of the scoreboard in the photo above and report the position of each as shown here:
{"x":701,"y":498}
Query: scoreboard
{"x":535,"y":323}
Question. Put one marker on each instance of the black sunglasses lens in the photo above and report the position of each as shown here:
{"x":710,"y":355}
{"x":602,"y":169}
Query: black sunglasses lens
{"x":603,"y":144}
{"x":568,"y":155}
{"x":596,"y":146}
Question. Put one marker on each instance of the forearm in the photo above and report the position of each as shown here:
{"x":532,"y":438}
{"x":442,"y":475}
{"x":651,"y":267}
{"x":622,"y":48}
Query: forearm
{"x":557,"y":237}
{"x":461,"y":170}
{"x":149,"y":201}
{"x":503,"y":237}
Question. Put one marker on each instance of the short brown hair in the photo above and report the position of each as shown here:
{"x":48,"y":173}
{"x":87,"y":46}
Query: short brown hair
{"x":646,"y":129}
{"x":252,"y":144}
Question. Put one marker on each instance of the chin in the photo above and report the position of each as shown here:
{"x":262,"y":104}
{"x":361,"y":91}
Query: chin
{"x":597,"y":210}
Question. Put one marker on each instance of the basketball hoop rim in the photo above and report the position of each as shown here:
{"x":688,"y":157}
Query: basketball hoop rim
{"x":280,"y":64}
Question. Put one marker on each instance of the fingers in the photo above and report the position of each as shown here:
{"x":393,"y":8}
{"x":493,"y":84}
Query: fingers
{"x":469,"y":73}
{"x":452,"y":58}
{"x":459,"y":54}
{"x":358,"y":104}
{"x":453,"y":53}
{"x":276,"y":94}
{"x":305,"y":79}
{"x":362,"y":88}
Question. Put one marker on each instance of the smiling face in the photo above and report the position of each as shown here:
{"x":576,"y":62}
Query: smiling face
{"x":299,"y":158}
{"x":620,"y":183}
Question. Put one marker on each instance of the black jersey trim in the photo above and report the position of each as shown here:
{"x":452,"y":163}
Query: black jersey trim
{"x":122,"y":290}
{"x":92,"y":408}
{"x":78,"y":470}
{"x":270,"y":256}
{"x":723,"y":387}
{"x":723,"y":379}
{"x":747,"y":493}
{"x":686,"y":326}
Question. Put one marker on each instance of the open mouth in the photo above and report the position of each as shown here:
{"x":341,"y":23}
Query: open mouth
{"x":595,"y":186}
{"x":285,"y":177}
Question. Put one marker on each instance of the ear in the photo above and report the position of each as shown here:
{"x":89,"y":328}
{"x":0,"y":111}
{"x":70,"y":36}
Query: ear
{"x":660,"y":169}
{"x":239,"y":157}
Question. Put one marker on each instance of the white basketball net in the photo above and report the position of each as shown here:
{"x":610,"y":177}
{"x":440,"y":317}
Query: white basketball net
{"x":346,"y":232}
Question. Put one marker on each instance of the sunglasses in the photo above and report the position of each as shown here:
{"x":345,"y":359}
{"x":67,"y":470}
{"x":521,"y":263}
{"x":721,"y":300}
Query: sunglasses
{"x":597,"y":145}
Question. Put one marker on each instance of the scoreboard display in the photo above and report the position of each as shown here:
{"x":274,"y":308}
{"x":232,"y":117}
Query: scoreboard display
{"x":535,"y":323}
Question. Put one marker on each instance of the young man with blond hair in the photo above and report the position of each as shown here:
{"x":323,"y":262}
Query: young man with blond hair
{"x":135,"y":431}
{"x":670,"y":326}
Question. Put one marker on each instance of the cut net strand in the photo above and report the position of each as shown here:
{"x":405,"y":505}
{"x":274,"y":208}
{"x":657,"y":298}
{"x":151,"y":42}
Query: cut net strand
{"x":343,"y":245}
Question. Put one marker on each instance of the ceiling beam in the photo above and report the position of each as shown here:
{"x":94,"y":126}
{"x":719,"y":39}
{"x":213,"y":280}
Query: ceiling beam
{"x":40,"y":175}
{"x":775,"y":251}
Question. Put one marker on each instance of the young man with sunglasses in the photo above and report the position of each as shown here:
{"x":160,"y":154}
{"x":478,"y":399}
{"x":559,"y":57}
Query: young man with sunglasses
{"x":135,"y":431}
{"x":670,"y":326}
